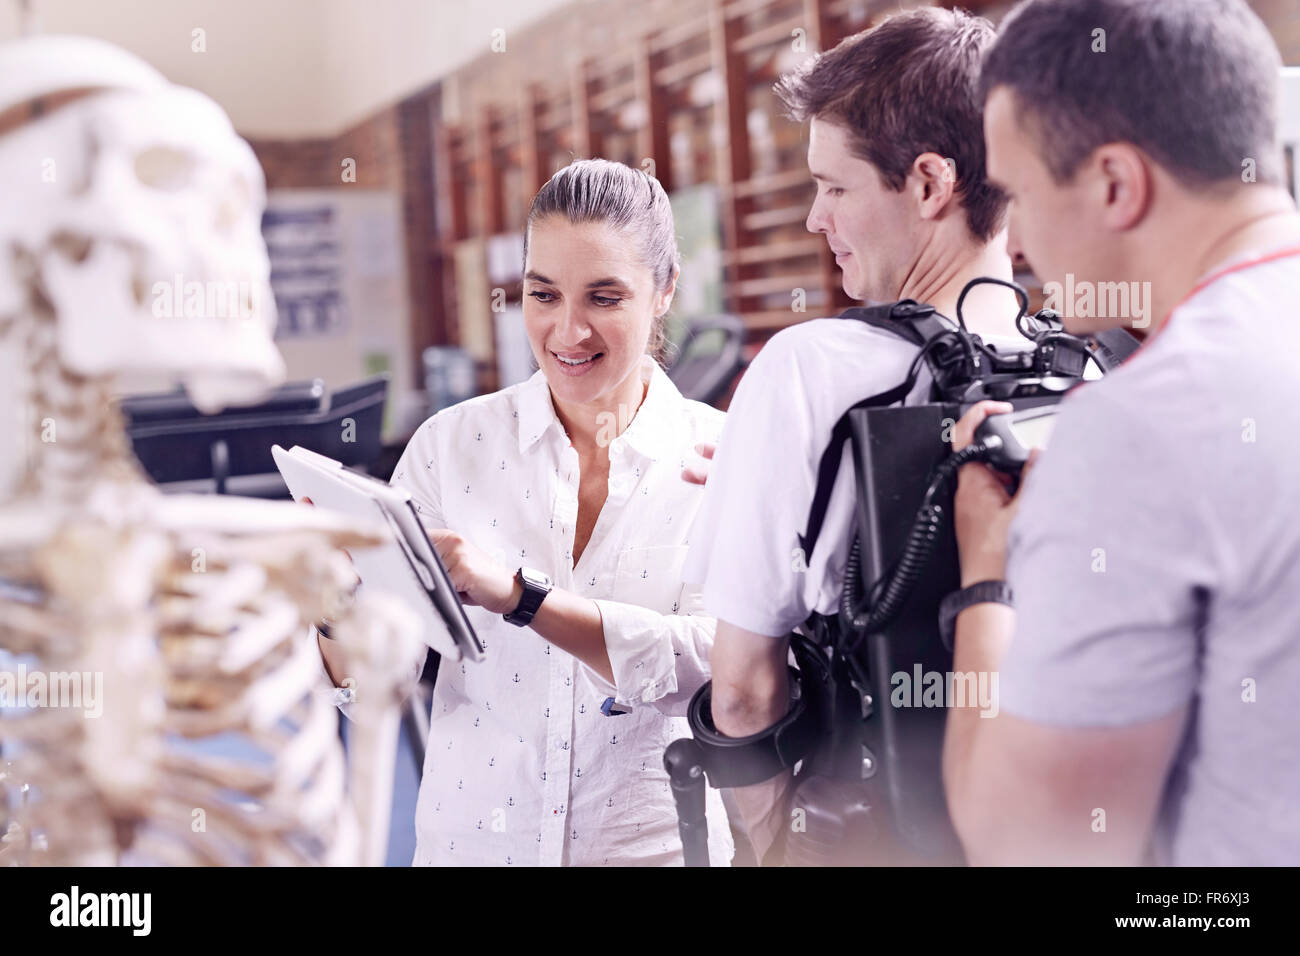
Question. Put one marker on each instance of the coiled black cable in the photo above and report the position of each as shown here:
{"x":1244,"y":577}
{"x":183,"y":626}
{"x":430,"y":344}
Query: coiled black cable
{"x":890,"y":591}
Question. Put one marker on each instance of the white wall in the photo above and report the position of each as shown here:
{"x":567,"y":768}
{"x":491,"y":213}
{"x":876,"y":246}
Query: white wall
{"x":293,"y":68}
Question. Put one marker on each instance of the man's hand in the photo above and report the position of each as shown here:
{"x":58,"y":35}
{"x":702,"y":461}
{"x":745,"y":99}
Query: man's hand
{"x":480,"y":580}
{"x":982,"y":509}
{"x":699,"y":474}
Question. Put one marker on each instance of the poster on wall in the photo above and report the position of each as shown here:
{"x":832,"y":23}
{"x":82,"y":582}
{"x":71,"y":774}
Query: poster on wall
{"x":699,"y":242}
{"x":338,"y":273}
{"x":306,"y":252}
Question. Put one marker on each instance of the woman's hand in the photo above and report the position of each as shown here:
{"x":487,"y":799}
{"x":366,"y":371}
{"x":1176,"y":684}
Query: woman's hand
{"x":480,"y":580}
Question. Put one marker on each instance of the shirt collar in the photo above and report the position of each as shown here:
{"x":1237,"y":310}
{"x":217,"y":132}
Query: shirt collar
{"x":650,"y":432}
{"x":535,"y":412}
{"x":653,"y":427}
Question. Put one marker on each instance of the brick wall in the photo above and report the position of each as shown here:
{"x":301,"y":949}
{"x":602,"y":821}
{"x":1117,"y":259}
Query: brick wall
{"x":1283,"y":19}
{"x":394,"y":148}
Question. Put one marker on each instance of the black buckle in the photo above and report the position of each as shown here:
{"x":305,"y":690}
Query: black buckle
{"x":910,"y":309}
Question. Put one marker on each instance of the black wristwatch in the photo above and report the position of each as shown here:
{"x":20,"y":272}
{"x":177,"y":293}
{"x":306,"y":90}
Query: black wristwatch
{"x":982,"y":592}
{"x":536,"y":586}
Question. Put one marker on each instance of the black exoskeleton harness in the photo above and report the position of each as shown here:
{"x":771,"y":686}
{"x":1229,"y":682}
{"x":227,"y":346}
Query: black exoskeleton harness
{"x":830,"y":682}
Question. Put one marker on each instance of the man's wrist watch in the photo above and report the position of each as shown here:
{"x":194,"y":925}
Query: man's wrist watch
{"x":982,"y":592}
{"x":536,"y":586}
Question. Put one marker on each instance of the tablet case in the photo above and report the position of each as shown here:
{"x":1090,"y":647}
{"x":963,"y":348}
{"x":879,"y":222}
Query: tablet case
{"x":407,"y":567}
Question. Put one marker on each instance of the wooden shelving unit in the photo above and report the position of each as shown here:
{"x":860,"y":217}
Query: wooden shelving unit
{"x":680,"y":89}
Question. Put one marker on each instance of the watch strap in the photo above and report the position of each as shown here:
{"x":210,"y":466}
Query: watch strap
{"x":981,"y":592}
{"x":529,"y":602}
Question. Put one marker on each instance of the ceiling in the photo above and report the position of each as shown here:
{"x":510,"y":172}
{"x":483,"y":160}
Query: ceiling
{"x":293,"y":68}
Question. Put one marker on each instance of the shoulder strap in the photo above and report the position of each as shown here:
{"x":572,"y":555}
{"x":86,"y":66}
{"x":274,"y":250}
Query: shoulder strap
{"x":882,"y":317}
{"x":829,"y":466}
{"x":908,"y":320}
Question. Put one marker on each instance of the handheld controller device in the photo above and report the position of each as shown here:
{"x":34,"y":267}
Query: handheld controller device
{"x":1009,"y":438}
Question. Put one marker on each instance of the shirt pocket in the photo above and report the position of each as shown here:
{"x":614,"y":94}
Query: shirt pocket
{"x":651,"y":577}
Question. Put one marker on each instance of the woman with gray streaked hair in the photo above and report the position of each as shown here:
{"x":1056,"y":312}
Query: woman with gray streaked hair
{"x":557,"y":507}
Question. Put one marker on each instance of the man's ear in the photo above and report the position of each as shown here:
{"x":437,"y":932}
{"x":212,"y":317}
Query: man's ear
{"x":933,"y":180}
{"x":1123,"y":184}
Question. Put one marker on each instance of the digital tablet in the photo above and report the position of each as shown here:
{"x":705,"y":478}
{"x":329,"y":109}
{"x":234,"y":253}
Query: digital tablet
{"x":407,"y":567}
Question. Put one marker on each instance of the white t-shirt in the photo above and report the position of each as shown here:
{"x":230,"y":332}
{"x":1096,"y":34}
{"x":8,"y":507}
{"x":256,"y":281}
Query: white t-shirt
{"x":745,"y":551}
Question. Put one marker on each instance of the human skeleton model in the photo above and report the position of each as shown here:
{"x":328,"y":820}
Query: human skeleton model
{"x":195,"y":609}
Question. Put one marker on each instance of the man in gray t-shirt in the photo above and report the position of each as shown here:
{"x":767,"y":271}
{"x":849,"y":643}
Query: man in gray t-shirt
{"x":1155,"y":562}
{"x":1147,"y":676}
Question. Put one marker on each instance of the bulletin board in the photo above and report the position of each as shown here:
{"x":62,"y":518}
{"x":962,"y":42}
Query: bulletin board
{"x":338,"y":272}
{"x":696,"y":216}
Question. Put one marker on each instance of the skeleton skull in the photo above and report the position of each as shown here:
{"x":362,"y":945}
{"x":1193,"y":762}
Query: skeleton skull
{"x":136,"y":210}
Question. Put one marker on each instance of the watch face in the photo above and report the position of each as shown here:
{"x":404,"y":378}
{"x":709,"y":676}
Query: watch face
{"x":535,"y":578}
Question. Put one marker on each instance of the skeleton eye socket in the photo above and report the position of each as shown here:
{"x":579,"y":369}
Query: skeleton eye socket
{"x":162,"y":167}
{"x":75,"y":247}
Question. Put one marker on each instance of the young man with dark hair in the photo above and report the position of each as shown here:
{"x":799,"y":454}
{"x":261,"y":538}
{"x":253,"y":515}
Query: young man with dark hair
{"x":896,"y":149}
{"x":1149,"y":669}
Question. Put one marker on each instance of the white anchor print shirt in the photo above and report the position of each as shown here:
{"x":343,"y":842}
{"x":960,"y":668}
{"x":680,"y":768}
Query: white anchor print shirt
{"x":522,"y":768}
